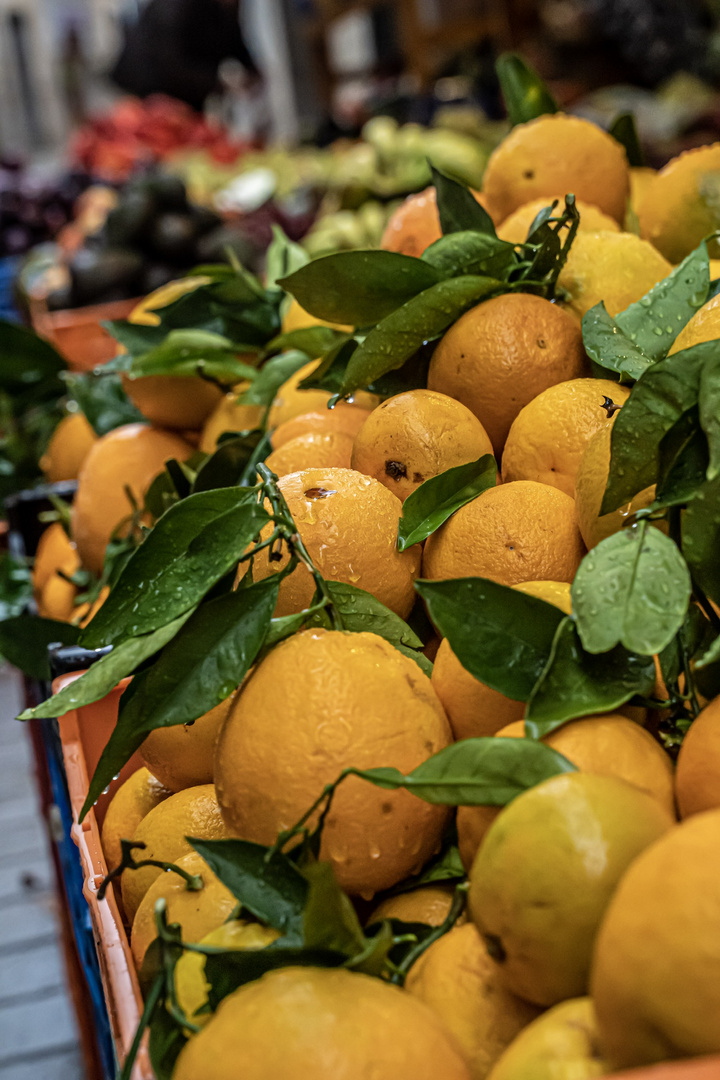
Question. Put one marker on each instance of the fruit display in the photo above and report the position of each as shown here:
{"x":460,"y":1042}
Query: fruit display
{"x":33,"y":210}
{"x":405,"y":594}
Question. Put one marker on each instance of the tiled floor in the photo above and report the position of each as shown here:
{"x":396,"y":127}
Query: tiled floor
{"x":38,"y":1035}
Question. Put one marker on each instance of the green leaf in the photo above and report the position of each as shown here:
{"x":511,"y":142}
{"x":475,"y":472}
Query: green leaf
{"x":421,"y":319}
{"x":16,"y":587}
{"x":575,"y":683}
{"x":500,"y":635}
{"x":228,"y":971}
{"x":192,"y":546}
{"x":272,"y":375}
{"x":526,"y":95}
{"x":709,"y":401}
{"x":24,"y":642}
{"x":273,"y":890}
{"x":710,"y":656}
{"x":683,"y":461}
{"x":27,"y":360}
{"x":609,"y":347}
{"x":359,"y":288}
{"x":106,"y":673}
{"x":329,"y":919}
{"x":103,"y":400}
{"x":471,"y":253}
{"x":431,"y":504}
{"x":361,"y":612}
{"x":458,"y":209}
{"x":193,"y":352}
{"x":476,"y":772}
{"x":653,"y":322}
{"x":312,"y":340}
{"x":135,"y":338}
{"x":667,"y":390}
{"x":545,"y":251}
{"x":283,"y":257}
{"x":447,"y":866}
{"x":167,"y":1039}
{"x":700,"y":530}
{"x":633,"y":589}
{"x":232,"y":460}
{"x":624,"y":129}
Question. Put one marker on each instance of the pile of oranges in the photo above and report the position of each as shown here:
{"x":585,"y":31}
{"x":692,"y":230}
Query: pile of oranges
{"x":593,"y":916}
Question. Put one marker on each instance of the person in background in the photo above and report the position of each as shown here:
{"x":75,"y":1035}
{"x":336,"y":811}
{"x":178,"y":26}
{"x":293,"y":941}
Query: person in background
{"x":176,"y":47}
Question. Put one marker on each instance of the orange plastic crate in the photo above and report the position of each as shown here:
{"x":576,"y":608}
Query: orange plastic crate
{"x":84,"y":733}
{"x":78,"y":334}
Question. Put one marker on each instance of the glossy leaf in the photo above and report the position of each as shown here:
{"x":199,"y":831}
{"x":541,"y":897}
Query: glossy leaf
{"x":232,"y":462}
{"x":329,"y":919}
{"x":471,"y":253}
{"x":421,"y":319}
{"x":576,"y":683}
{"x":284,"y":257}
{"x":106,"y":673}
{"x":193,"y":352}
{"x":500,"y":635}
{"x":271,"y":376}
{"x":710,"y":412}
{"x":24,"y":642}
{"x":361,"y":612}
{"x":476,"y":772}
{"x":667,"y":390}
{"x":135,"y":338}
{"x":166,"y":1041}
{"x":526,"y":95}
{"x":458,"y":209}
{"x":700,"y":538}
{"x":359,"y":288}
{"x":607,"y":345}
{"x":313,"y":340}
{"x":439,"y":497}
{"x":27,"y":360}
{"x":103,"y":400}
{"x":633,"y":589}
{"x":192,"y":546}
{"x":683,"y":461}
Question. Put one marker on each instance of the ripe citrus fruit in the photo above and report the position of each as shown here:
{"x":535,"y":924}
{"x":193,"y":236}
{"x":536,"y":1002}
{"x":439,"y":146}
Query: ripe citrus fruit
{"x":191,"y":986}
{"x":323,"y":701}
{"x":429,"y":904}
{"x":192,"y":812}
{"x":501,"y":354}
{"x":615,"y":267}
{"x":315,"y":450}
{"x":348,"y":522}
{"x":128,"y":806}
{"x":590,"y":483}
{"x":681,"y":205}
{"x":197,"y":911}
{"x":229,"y":415}
{"x":415,"y":225}
{"x":290,"y":401}
{"x":697,"y":781}
{"x":69,"y":445}
{"x":641,"y":177}
{"x":606,"y":745}
{"x":555,"y":155}
{"x":545,"y":873}
{"x":130,"y":456}
{"x":562,"y":1044}
{"x":347,"y":421}
{"x":144,"y":314}
{"x":656,"y":969}
{"x":297,"y":318}
{"x":183,"y":756}
{"x":57,"y":599}
{"x":516,"y":227}
{"x":55,"y":549}
{"x":552,"y":592}
{"x":548,"y":436}
{"x":321,"y":1024}
{"x":416,"y":435}
{"x":516,"y":532}
{"x":704,"y":326}
{"x":460,"y":983}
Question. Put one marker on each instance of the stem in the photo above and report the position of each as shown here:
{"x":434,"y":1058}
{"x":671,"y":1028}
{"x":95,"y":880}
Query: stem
{"x":456,"y":910}
{"x":299,"y":827}
{"x":128,"y":862}
{"x":707,"y":607}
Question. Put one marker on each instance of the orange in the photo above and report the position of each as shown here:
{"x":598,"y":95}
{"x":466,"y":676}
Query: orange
{"x":348,"y":522}
{"x":552,"y":592}
{"x":615,"y":267}
{"x":84,"y":613}
{"x":501,"y":354}
{"x":429,"y":904}
{"x":55,"y":549}
{"x":69,"y":445}
{"x":697,"y":782}
{"x":681,"y":206}
{"x":183,"y":755}
{"x":641,"y":179}
{"x":523,"y":531}
{"x":656,"y":969}
{"x":197,"y":911}
{"x":704,"y":326}
{"x":546,"y":871}
{"x":144,"y":313}
{"x":516,"y":227}
{"x":297,"y":318}
{"x":460,"y":983}
{"x":57,"y":599}
{"x":554,"y":155}
{"x":310,"y":1023}
{"x":315,"y":450}
{"x":347,"y":421}
{"x":548,"y":436}
{"x":229,"y":415}
{"x":130,"y":456}
{"x":128,"y":806}
{"x":590,"y":483}
{"x":416,"y":435}
{"x":415,"y":225}
{"x":320,"y":702}
{"x":559,"y":1045}
{"x":192,"y":812}
{"x":290,"y":401}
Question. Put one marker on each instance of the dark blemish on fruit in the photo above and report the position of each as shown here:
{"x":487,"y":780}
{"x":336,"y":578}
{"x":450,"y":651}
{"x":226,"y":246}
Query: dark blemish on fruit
{"x":495,"y":948}
{"x":396,"y":470}
{"x":541,"y":343}
{"x":529,"y":174}
{"x":318,"y":493}
{"x":386,"y":808}
{"x":418,"y":478}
